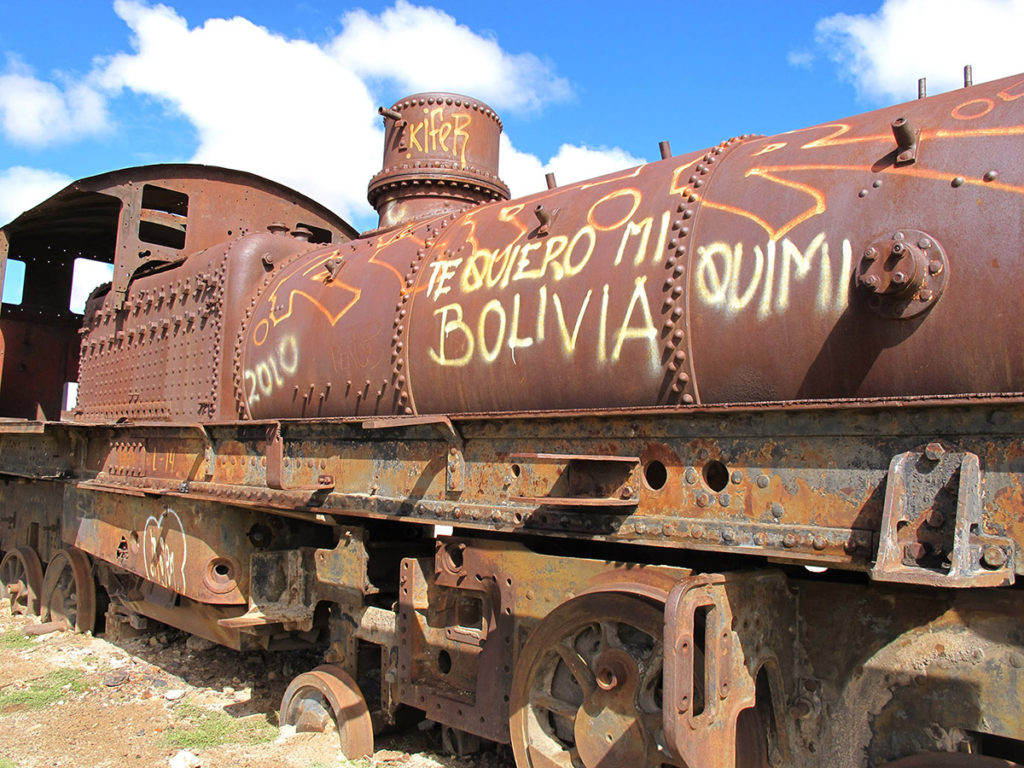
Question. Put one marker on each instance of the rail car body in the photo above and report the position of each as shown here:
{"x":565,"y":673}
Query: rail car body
{"x":549,"y":470}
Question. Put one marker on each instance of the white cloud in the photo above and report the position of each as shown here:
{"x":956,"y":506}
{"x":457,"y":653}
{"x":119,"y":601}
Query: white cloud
{"x":885,"y":53}
{"x":281,"y":108}
{"x":801,"y":59}
{"x":22,"y":188}
{"x":36,"y":112}
{"x":303,"y":113}
{"x":524,"y":173}
{"x":424,"y":49}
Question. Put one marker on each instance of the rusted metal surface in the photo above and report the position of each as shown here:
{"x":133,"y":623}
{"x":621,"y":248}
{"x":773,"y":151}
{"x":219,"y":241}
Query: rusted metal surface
{"x":797,"y":485}
{"x":440,"y":155}
{"x":720,"y":654}
{"x":21,"y":575}
{"x":548,"y":469}
{"x":464,"y":612}
{"x":327,"y":698}
{"x":586,"y":685}
{"x":932,"y":524}
{"x":139,"y":219}
{"x":672,"y":282}
{"x":68,"y":595}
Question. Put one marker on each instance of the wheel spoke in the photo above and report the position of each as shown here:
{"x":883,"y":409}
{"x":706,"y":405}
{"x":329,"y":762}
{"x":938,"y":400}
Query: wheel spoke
{"x":578,"y":666}
{"x":650,"y":678}
{"x":556,"y":706}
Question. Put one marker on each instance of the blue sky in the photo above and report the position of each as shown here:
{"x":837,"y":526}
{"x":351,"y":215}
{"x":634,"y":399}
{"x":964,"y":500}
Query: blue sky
{"x":290,"y":90}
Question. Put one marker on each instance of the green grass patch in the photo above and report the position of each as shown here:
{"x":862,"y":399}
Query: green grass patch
{"x":199,"y":728}
{"x":15,"y":641}
{"x":6,"y":762}
{"x":43,"y":692}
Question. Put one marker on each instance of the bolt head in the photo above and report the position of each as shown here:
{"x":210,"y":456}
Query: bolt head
{"x":994,"y":557}
{"x":870,"y":254}
{"x":897,"y":248}
{"x":899,"y":277}
{"x":870,"y":282}
{"x":934,"y":451}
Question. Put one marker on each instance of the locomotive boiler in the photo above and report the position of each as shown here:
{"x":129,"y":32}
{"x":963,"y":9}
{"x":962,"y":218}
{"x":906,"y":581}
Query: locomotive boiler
{"x":547,"y":471}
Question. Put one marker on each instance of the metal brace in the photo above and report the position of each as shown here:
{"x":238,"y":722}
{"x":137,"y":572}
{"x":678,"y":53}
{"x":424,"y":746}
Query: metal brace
{"x":703,"y":732}
{"x":932,"y":524}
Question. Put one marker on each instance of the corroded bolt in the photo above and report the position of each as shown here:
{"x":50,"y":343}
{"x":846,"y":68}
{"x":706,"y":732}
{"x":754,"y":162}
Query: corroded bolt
{"x":934,"y":451}
{"x":935,"y":267}
{"x":914,"y":551}
{"x":897,"y":248}
{"x":898,"y":277}
{"x":994,"y":557}
{"x":935,"y":518}
{"x":870,"y":282}
{"x":870,"y":254}
{"x":926,"y":295}
{"x":924,"y":242}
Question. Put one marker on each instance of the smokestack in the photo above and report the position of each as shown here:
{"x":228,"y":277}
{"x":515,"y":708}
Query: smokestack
{"x":440,"y":156}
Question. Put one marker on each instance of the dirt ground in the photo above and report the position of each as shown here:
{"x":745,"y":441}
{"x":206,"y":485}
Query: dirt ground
{"x":162,"y":700}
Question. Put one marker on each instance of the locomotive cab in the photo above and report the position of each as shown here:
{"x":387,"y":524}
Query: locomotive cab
{"x":113,"y":230}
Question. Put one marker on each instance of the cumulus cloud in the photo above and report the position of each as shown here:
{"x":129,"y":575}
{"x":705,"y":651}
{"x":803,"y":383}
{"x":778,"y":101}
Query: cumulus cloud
{"x":300,"y":112}
{"x":425,"y":49}
{"x":524,"y":173}
{"x":885,"y":53}
{"x":281,"y":108}
{"x":22,"y":188}
{"x":36,"y":113}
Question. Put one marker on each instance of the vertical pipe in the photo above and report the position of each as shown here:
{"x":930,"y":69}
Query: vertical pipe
{"x":968,"y":76}
{"x":550,"y":179}
{"x":665,"y":149}
{"x":922,"y":87}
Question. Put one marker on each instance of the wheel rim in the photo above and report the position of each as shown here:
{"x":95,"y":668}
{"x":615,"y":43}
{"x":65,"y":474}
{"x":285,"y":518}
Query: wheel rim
{"x":587,"y":688}
{"x":69,"y":593}
{"x":21,"y":575}
{"x":329,"y":698}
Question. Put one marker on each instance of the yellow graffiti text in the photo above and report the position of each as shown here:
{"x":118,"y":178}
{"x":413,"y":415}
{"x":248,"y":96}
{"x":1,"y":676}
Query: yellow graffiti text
{"x":270,"y":373}
{"x":505,"y":324}
{"x":734,"y":278}
{"x":437,"y":132}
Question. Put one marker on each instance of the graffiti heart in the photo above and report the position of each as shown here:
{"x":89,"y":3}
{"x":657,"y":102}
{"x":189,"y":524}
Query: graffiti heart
{"x":164,"y":550}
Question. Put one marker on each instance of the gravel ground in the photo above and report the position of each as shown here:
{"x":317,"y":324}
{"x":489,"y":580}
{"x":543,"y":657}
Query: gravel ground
{"x":169,"y":701}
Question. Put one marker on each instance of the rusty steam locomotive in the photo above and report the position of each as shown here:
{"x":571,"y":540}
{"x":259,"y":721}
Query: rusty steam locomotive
{"x":549,"y":471}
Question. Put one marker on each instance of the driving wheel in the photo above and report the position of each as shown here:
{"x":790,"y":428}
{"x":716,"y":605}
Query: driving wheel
{"x":328,"y":698}
{"x":21,"y":575}
{"x":69,"y":592}
{"x":587,"y":690}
